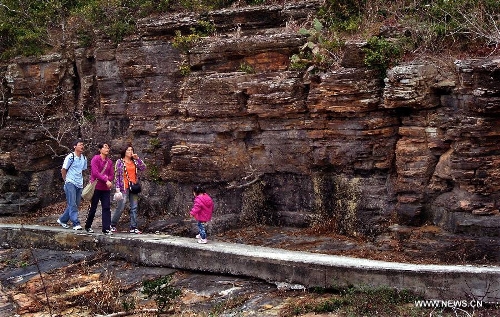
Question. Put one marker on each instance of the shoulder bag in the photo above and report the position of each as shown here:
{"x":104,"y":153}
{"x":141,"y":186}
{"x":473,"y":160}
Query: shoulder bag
{"x":88,"y":191}
{"x":134,"y":188}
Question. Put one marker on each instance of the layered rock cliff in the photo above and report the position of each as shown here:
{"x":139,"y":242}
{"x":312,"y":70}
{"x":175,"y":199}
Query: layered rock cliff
{"x":271,"y":145}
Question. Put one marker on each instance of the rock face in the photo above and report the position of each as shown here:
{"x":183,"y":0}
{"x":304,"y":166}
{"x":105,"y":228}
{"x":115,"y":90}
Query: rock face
{"x":271,"y":145}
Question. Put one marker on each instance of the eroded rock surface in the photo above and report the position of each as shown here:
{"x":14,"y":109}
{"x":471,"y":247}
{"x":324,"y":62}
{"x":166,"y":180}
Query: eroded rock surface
{"x":271,"y":145}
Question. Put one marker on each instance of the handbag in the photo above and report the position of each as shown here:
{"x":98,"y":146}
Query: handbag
{"x":88,"y":191}
{"x":134,"y":188}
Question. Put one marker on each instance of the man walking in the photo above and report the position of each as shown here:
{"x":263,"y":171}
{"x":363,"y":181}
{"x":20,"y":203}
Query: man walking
{"x":73,"y":166}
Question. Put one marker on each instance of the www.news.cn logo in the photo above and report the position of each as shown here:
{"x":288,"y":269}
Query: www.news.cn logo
{"x":448,"y":304}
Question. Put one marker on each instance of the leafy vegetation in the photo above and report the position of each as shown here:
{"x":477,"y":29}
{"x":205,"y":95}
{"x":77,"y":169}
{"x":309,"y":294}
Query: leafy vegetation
{"x":381,"y":53}
{"x":343,"y":15}
{"x":185,"y":42}
{"x":24,"y":25}
{"x":161,"y":292}
{"x":247,"y":68}
{"x":319,"y":51}
{"x":353,"y":301}
{"x":155,"y":143}
{"x":27,"y":27}
{"x":14,"y":263}
{"x":154,"y":173}
{"x":414,"y":27}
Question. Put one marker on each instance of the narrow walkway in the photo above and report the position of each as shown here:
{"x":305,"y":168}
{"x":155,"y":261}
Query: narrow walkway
{"x":302,"y":269}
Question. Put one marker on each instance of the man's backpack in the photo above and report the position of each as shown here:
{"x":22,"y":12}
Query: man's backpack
{"x":72,"y":160}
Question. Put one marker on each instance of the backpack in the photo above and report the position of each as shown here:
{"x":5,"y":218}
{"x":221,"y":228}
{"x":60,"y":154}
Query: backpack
{"x":72,"y":160}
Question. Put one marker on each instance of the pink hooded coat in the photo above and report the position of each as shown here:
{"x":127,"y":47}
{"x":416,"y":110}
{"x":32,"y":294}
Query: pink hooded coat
{"x":202,"y":208}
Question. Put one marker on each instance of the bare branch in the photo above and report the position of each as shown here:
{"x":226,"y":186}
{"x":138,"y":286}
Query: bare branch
{"x":43,"y":280}
{"x":8,"y":9}
{"x":250,"y":179}
{"x":55,"y":126}
{"x":3,"y":103}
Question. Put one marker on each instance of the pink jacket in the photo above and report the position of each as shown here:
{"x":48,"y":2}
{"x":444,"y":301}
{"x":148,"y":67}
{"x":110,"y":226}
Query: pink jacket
{"x":96,"y":167}
{"x":202,"y":208}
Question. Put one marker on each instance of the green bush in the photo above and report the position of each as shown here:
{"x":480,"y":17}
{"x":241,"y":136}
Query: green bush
{"x":24,"y":26}
{"x":381,"y":53}
{"x":154,"y":173}
{"x":247,"y":68}
{"x":185,"y":42}
{"x":184,"y":68}
{"x":85,"y":37}
{"x":155,"y":143}
{"x":161,"y":292}
{"x":317,"y":53}
{"x":355,"y":301}
{"x":128,"y":304}
{"x":343,"y":15}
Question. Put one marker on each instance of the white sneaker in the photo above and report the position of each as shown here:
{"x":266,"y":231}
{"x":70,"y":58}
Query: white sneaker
{"x":77,"y":227}
{"x":202,"y":241}
{"x":198,"y":236}
{"x":64,"y":225}
{"x":113,"y":229}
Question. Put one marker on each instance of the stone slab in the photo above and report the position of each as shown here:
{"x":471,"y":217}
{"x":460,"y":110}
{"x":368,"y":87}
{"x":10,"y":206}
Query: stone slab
{"x":442,"y":282}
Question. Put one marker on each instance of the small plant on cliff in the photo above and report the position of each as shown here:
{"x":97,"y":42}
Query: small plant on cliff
{"x":161,"y":292}
{"x":247,"y":68}
{"x":319,"y":52}
{"x":185,"y":42}
{"x":205,"y":28}
{"x":155,"y":143}
{"x":185,"y":68}
{"x":85,"y":38}
{"x":381,"y":53}
{"x":154,"y":173}
{"x":27,"y":27}
{"x":324,"y":46}
{"x":463,"y":20}
{"x":343,"y":15}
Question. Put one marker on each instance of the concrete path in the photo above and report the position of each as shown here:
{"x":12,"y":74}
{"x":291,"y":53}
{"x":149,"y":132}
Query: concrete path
{"x":296,"y":269}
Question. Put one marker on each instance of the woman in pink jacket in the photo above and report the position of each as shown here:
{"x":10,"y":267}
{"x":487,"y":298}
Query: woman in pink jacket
{"x":102,"y":170}
{"x":202,"y":211}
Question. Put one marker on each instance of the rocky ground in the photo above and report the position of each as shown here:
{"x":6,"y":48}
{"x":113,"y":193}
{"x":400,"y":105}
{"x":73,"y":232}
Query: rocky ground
{"x":90,"y":284}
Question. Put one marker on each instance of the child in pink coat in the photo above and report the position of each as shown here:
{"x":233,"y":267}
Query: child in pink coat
{"x":202,"y":211}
